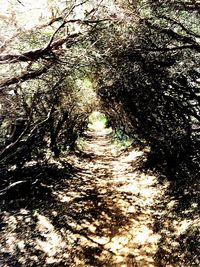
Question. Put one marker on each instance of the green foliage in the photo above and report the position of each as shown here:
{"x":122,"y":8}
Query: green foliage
{"x":81,"y":143}
{"x":121,"y":139}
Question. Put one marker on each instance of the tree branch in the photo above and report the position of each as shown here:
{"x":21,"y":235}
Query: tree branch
{"x":25,"y":76}
{"x":8,"y":149}
{"x":5,"y":190}
{"x":166,"y":49}
{"x":46,"y":51}
{"x":11,"y":146}
{"x":178,"y":37}
{"x":189,"y":32}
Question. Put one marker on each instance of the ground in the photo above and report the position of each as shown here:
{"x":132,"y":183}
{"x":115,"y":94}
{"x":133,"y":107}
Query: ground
{"x":108,"y":212}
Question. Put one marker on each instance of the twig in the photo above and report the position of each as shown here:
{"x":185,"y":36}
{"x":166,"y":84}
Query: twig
{"x":5,"y":190}
{"x":20,"y":2}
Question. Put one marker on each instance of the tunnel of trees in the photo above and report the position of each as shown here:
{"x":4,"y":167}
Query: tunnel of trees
{"x":138,"y":62}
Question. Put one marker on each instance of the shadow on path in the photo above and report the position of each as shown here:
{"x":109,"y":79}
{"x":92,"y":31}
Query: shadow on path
{"x":107,"y":213}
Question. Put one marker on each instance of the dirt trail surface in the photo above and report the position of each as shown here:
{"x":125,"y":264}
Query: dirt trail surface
{"x":123,"y":204}
{"x":106,"y":214}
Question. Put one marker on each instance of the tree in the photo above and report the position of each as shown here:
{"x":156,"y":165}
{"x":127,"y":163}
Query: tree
{"x":143,"y":57}
{"x":151,"y":85}
{"x":40,"y":66}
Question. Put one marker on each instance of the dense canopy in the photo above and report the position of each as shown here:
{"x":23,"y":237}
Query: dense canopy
{"x":140,"y":57}
{"x":137,"y":62}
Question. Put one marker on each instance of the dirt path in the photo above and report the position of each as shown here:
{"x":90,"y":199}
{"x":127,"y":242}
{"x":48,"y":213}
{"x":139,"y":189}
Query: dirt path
{"x":117,"y":214}
{"x":107,"y":214}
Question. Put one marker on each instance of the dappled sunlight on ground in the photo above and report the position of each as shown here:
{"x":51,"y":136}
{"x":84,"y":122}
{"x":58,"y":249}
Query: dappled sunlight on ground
{"x":108,"y":213}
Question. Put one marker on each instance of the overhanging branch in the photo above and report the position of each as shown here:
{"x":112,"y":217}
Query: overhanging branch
{"x":8,"y":149}
{"x":189,"y":42}
{"x":26,"y":76}
{"x":34,"y":55}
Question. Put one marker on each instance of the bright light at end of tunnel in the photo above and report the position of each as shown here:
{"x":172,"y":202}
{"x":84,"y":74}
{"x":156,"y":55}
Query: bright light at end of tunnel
{"x":97,"y":121}
{"x":99,"y":125}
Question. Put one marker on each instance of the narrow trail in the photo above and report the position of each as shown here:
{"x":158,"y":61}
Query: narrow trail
{"x":108,"y":213}
{"x":122,"y":203}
